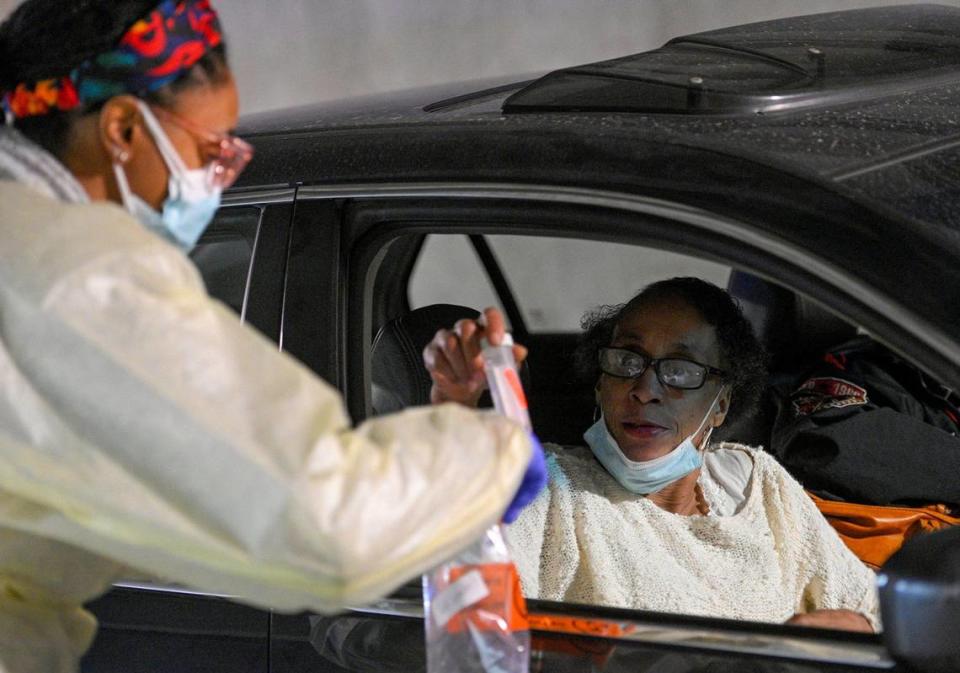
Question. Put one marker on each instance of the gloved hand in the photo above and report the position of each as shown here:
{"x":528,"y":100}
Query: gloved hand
{"x":534,"y":479}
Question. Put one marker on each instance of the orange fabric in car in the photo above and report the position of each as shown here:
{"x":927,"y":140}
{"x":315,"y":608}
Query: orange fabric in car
{"x":875,"y":532}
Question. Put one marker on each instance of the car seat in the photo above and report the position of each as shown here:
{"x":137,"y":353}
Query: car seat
{"x":797,"y":332}
{"x":791,"y":327}
{"x":399,"y":378}
{"x":397,"y":373}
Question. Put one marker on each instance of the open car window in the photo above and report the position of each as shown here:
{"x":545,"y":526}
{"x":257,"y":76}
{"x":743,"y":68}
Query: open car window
{"x":554,"y":281}
{"x":551,"y":282}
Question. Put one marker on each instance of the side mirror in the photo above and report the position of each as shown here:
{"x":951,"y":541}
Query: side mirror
{"x":920,"y":602}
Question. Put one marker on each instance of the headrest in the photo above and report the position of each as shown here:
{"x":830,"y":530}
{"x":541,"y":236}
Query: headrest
{"x":768,"y":307}
{"x":822,"y":329}
{"x":399,"y":378}
{"x":791,"y":327}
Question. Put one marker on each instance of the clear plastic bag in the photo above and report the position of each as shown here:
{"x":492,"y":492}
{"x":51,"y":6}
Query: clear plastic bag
{"x":475,"y":615}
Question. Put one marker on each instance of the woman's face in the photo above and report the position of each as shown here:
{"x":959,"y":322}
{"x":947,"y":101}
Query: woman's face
{"x":214,"y":108}
{"x":648,"y":419}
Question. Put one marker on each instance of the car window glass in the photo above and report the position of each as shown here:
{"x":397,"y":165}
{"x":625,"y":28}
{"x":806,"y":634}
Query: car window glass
{"x":448,"y":271}
{"x":224,"y":253}
{"x":556,"y":280}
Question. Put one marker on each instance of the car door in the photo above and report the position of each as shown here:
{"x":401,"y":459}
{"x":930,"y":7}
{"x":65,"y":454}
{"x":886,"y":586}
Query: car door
{"x":151,"y":626}
{"x":383,"y":238}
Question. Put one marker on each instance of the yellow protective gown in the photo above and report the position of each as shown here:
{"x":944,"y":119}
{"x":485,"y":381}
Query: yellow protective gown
{"x":142,"y":425}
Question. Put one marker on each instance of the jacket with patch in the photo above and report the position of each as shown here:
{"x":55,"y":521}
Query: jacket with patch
{"x":863,"y":425}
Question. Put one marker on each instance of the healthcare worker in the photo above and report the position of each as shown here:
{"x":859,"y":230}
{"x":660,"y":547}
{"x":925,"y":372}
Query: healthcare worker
{"x":141,"y":424}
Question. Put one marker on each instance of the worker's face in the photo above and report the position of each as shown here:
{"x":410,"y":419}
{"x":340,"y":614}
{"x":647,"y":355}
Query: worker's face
{"x":213,"y":108}
{"x":645,"y":417}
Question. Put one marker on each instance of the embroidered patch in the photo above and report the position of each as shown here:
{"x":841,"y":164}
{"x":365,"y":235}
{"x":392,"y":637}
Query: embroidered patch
{"x":826,"y":393}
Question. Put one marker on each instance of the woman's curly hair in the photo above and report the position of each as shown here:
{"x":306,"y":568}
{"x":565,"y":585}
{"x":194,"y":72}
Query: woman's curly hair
{"x":740,"y":351}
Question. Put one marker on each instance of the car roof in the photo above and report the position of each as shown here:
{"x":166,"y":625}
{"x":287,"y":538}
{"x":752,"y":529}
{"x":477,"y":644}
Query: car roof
{"x":835,"y":94}
{"x":883,"y":106}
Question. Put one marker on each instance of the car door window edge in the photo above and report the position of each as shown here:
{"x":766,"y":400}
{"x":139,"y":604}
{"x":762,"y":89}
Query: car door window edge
{"x":259,"y":197}
{"x":838,"y":278}
{"x":699,"y":636}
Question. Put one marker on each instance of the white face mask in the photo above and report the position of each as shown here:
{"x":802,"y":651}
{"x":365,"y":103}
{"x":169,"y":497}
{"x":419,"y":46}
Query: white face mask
{"x":191,"y":200}
{"x":647,"y":476}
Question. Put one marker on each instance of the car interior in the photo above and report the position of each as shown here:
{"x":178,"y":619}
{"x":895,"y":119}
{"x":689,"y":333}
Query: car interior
{"x":412,"y":297}
{"x":793,"y":329}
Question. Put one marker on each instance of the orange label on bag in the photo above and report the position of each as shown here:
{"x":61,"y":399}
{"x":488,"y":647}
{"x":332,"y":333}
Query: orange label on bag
{"x":502,"y":606}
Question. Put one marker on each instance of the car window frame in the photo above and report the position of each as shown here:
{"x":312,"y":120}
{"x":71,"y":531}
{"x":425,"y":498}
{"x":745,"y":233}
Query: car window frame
{"x":265,"y":285}
{"x":438,"y":207}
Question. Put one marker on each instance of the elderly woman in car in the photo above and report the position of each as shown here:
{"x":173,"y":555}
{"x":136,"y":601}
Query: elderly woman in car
{"x":650,"y":515}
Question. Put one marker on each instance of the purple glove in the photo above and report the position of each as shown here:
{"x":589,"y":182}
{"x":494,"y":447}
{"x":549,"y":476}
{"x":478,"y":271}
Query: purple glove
{"x":534,"y":479}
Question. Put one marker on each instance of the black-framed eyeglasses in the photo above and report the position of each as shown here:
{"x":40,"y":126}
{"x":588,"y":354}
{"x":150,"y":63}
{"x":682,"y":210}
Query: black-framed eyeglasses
{"x":673,"y":372}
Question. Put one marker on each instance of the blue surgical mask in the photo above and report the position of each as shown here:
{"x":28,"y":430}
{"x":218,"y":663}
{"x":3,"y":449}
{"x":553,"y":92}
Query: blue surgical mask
{"x":191,"y":200}
{"x":646,"y":476}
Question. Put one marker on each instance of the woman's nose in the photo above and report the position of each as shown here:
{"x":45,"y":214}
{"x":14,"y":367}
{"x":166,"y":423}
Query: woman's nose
{"x":646,"y":387}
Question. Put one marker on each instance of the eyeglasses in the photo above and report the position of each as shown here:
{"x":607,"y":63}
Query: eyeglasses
{"x":228,"y":154}
{"x":673,"y":372}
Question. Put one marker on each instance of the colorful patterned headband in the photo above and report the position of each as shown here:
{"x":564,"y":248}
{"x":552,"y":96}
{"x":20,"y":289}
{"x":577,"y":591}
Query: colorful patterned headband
{"x":152,"y":53}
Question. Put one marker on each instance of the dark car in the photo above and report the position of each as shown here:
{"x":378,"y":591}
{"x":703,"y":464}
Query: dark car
{"x":810,"y":164}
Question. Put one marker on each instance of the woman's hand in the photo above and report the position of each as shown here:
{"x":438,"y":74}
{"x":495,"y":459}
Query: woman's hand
{"x":454,"y":361}
{"x":843,"y":620}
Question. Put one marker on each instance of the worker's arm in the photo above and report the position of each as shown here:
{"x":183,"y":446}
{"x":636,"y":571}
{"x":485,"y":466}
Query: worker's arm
{"x":160,"y":431}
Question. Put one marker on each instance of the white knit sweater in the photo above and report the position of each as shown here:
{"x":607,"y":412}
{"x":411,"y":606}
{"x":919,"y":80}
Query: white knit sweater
{"x":586,"y":539}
